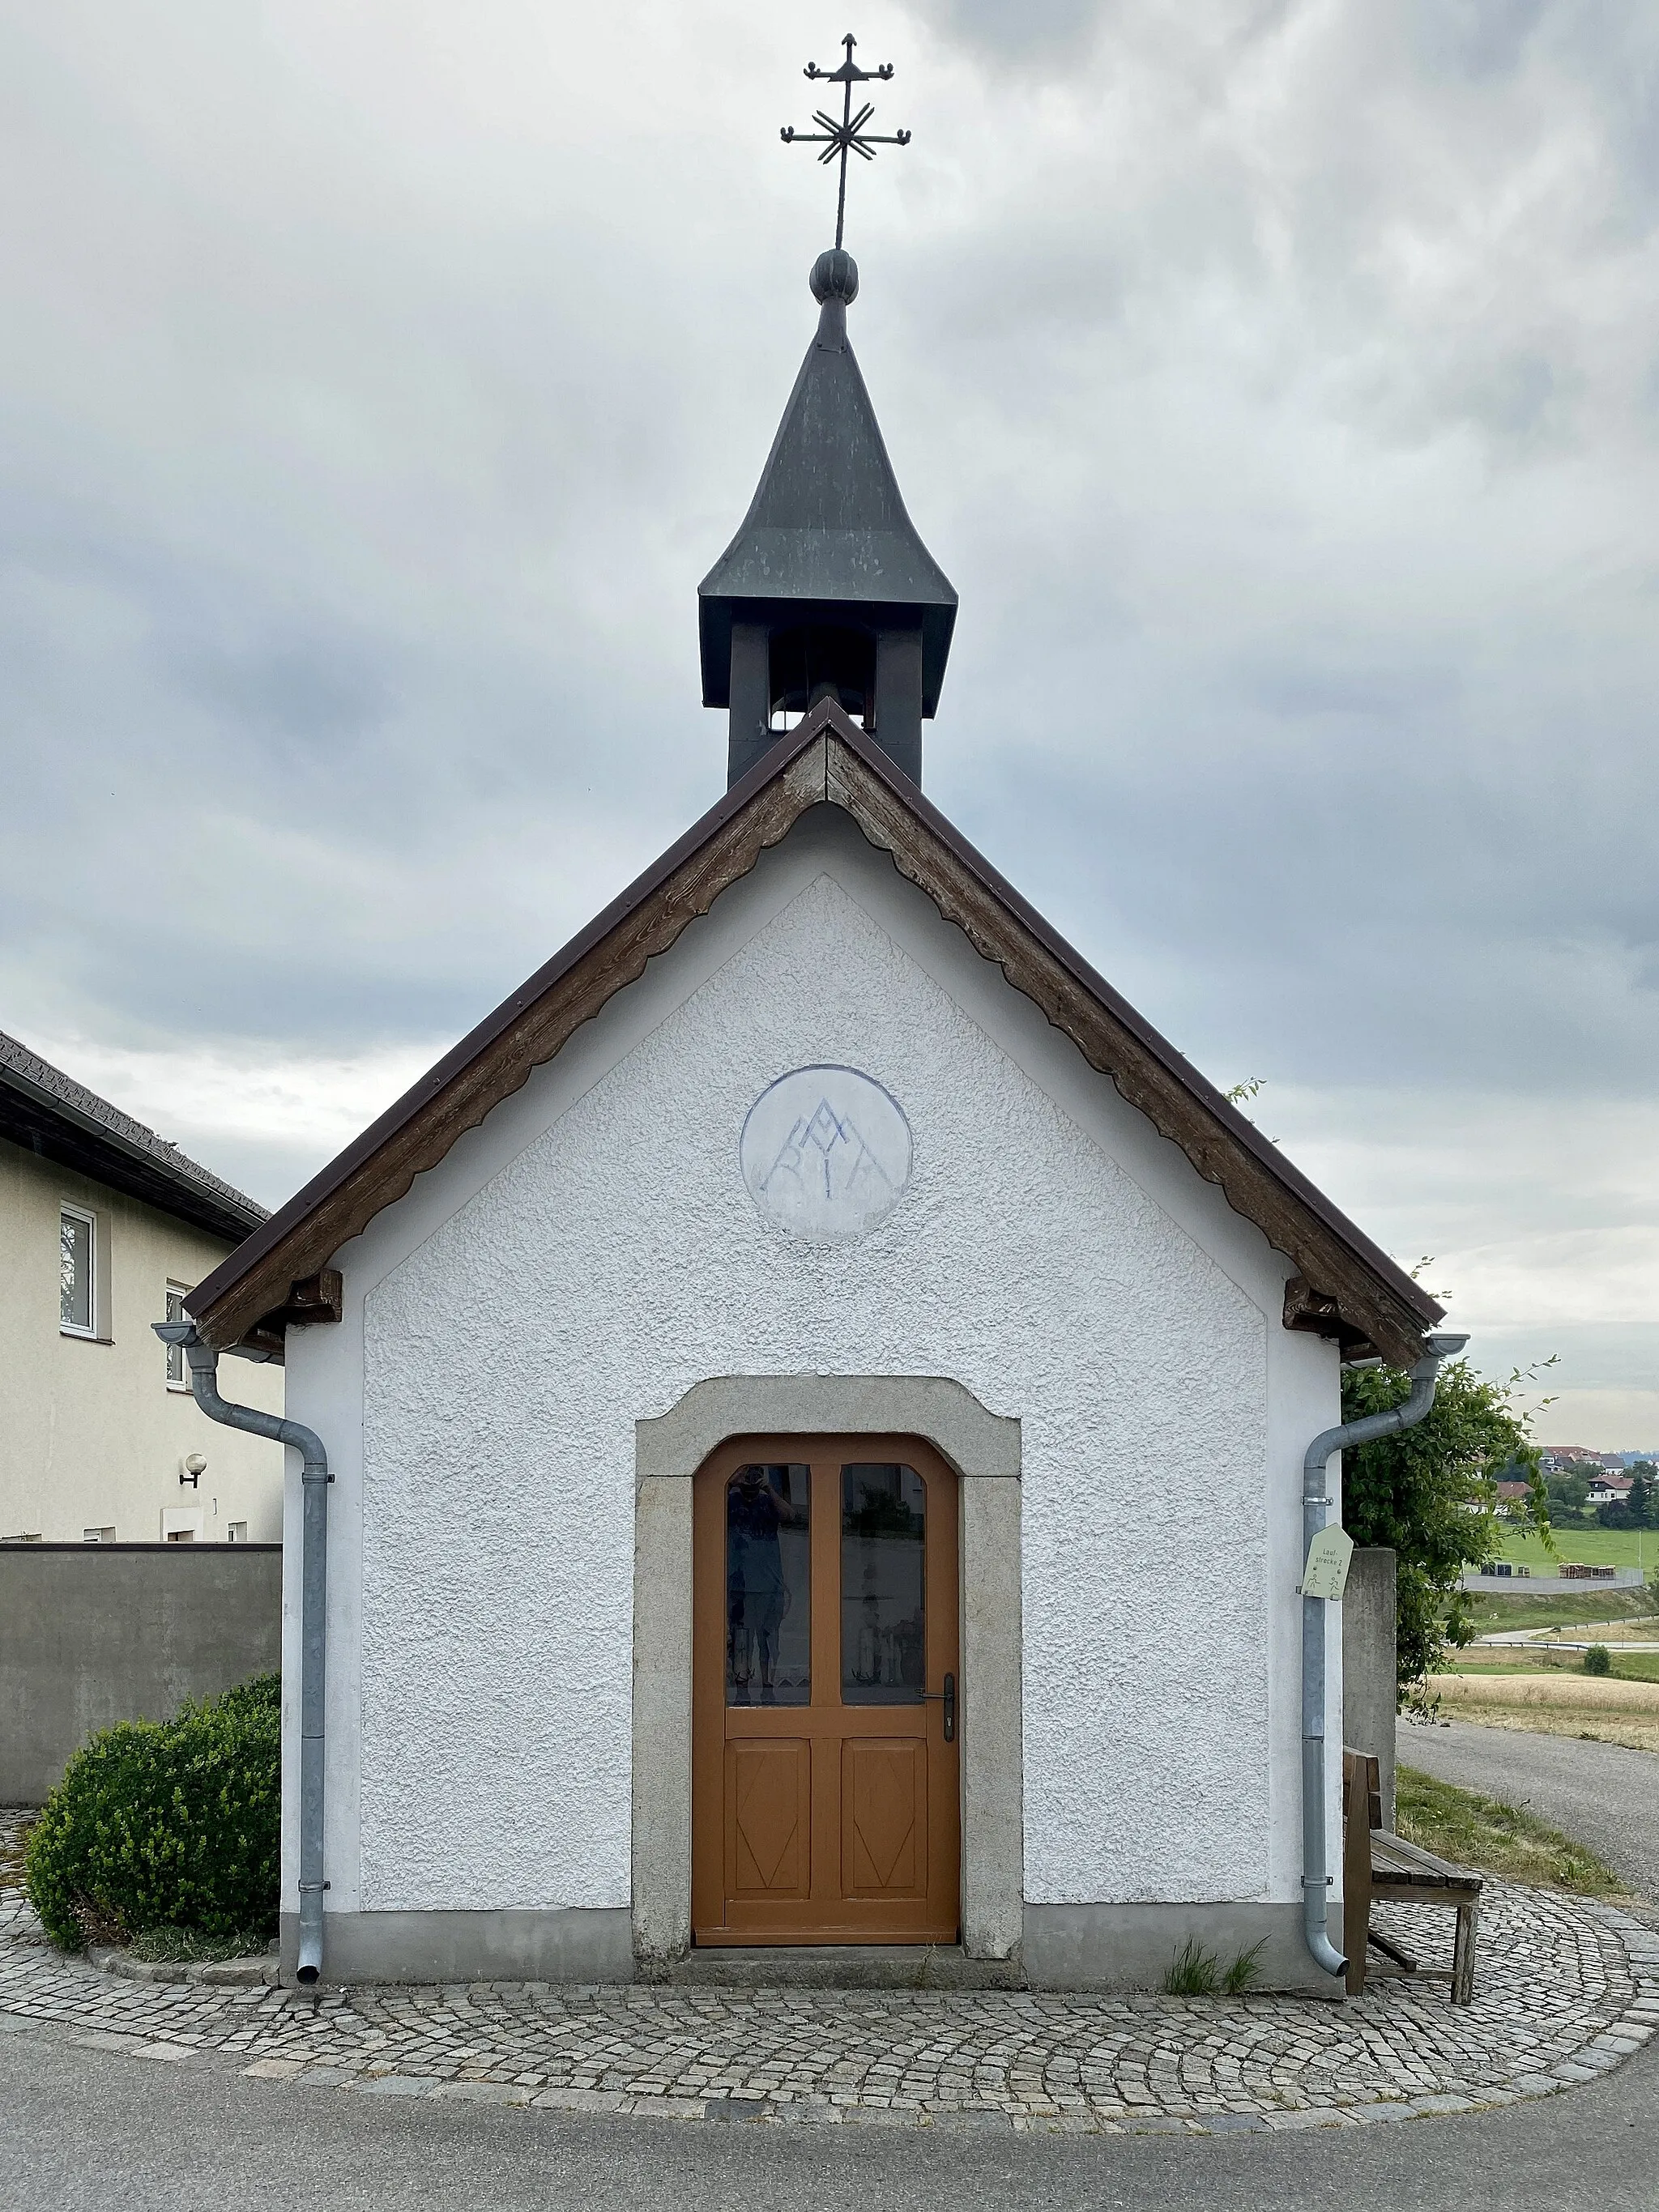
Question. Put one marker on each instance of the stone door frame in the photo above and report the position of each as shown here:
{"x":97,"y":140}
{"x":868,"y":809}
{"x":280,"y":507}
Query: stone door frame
{"x":984,"y":1449}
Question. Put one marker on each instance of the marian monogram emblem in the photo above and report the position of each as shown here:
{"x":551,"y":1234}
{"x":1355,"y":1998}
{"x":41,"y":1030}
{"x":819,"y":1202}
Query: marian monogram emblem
{"x":826,"y":1153}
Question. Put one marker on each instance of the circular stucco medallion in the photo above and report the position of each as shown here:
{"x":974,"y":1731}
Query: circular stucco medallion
{"x":825,"y":1153}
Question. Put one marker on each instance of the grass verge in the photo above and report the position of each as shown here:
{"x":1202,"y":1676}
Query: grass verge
{"x":1476,"y":1831}
{"x":190,"y":1946}
{"x":1490,"y":1613}
{"x":1526,"y":1660}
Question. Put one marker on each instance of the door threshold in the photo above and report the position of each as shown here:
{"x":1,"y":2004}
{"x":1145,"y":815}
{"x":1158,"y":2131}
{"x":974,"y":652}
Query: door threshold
{"x":843,"y":1966}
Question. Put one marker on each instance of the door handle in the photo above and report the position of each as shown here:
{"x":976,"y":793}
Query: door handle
{"x":947,"y":1698}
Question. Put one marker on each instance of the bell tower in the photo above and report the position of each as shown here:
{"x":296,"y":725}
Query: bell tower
{"x":827,"y":591}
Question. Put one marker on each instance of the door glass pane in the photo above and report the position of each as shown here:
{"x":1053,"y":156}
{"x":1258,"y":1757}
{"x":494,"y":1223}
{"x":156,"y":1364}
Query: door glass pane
{"x":884,"y":1624}
{"x":768,"y":1614}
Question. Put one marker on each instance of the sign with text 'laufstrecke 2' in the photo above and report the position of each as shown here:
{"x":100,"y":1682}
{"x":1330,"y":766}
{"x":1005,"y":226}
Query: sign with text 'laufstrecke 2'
{"x":1326,"y":1573}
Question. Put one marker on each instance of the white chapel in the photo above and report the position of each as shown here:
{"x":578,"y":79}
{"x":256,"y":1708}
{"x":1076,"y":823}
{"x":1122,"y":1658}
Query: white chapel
{"x":800,"y":1419}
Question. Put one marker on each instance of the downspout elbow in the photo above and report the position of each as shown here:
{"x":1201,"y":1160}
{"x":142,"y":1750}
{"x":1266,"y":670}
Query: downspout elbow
{"x":204,"y":1363}
{"x":1316,"y":1882}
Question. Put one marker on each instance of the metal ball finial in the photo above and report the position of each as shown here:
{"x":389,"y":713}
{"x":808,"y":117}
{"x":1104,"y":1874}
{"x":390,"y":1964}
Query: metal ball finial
{"x":834,"y":277}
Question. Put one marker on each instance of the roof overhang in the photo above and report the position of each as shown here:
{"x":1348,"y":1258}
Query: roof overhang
{"x":55,"y":1129}
{"x":1345,"y":1288}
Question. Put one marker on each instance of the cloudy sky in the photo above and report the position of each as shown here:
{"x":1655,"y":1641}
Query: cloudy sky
{"x":1277,"y":380}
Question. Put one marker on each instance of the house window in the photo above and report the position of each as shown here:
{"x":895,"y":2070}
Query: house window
{"x":98,"y":1536}
{"x":184,"y":1524}
{"x":178,"y":1377}
{"x":236,"y":1533}
{"x":77,"y":1250}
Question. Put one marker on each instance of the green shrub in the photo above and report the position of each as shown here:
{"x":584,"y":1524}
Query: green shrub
{"x":171,"y":1824}
{"x":1597,"y":1661}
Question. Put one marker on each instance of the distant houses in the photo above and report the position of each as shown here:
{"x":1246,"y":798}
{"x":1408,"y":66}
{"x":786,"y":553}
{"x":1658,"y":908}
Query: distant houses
{"x":1608,"y":1490}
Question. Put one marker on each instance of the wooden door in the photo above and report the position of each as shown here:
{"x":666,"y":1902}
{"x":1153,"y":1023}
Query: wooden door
{"x":825,"y":1667}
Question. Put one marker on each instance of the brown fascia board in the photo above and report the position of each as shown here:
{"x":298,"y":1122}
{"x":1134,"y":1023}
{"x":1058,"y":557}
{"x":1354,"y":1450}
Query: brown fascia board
{"x":826,"y":759}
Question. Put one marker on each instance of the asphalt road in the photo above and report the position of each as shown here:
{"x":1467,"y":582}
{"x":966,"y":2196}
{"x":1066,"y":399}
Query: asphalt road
{"x":83,"y":2130}
{"x":1603,"y":1793}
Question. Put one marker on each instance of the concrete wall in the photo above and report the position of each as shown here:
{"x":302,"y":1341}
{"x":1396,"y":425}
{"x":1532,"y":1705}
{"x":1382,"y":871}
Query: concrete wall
{"x":94,"y":1633}
{"x":1370,"y":1676}
{"x":590,"y":1253}
{"x":91,"y":1434}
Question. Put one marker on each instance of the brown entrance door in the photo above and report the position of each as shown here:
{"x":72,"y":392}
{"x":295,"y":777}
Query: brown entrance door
{"x":824,"y":1682}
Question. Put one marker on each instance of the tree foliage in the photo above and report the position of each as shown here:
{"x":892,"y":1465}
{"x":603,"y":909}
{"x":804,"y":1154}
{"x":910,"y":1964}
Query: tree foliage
{"x":1429,"y":1494}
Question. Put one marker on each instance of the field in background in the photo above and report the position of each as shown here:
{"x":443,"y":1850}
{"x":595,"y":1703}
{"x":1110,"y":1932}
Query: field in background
{"x":1491,"y":1613}
{"x":1596,"y":1548}
{"x":1548,"y":1700}
{"x":1552,"y":1661}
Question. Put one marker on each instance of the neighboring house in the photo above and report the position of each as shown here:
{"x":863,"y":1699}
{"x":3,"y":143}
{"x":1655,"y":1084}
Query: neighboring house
{"x":1512,"y":1496}
{"x":1608,"y":1490}
{"x":103,"y":1228}
{"x":739,"y":1362}
{"x":1569,"y":1458}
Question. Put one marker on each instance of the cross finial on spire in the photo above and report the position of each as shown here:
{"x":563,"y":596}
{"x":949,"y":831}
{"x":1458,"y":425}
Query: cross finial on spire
{"x":838,"y":139}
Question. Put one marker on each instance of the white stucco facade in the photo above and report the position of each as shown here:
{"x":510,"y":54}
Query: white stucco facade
{"x":594,"y":1250}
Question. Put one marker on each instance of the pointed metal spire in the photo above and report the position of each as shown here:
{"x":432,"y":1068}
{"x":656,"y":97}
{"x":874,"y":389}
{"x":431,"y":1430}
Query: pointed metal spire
{"x":827,"y":590}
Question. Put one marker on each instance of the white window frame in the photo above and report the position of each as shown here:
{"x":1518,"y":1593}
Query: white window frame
{"x":176,"y":1351}
{"x":68,"y":1209}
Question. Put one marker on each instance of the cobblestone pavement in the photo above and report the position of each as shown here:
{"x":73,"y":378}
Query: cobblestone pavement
{"x":1565,"y":1989}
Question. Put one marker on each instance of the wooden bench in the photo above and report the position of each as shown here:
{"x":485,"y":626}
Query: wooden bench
{"x":1378,"y":1864}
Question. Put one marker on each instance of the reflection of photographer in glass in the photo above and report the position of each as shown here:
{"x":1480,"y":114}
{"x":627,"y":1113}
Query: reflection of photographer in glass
{"x":757,"y":1505}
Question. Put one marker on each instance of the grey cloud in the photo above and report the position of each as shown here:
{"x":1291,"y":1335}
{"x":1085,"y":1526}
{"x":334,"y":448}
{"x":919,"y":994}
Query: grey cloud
{"x":1477,"y":38}
{"x":1276,"y":383}
{"x":312,"y":690}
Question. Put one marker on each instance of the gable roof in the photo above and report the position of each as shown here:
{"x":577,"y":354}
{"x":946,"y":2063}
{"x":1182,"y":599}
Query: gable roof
{"x":50,"y":1115}
{"x":1347,"y":1287}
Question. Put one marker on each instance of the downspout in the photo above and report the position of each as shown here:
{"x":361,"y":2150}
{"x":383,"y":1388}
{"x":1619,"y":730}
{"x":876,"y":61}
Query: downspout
{"x":1315,"y":1865}
{"x":313,"y":1619}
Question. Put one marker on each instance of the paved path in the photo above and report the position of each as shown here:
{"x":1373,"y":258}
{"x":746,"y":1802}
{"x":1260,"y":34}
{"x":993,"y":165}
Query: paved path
{"x":1565,"y":1989}
{"x":1602,"y":1793}
{"x":83,"y":2130}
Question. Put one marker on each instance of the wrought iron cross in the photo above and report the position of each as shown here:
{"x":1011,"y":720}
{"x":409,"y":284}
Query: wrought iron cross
{"x":848,"y":135}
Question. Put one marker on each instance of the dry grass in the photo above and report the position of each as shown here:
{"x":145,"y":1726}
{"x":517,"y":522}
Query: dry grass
{"x":11,"y":1856}
{"x":1556,"y":1703}
{"x":1644,"y":1630}
{"x":1550,"y":1689}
